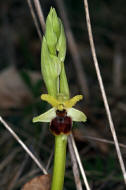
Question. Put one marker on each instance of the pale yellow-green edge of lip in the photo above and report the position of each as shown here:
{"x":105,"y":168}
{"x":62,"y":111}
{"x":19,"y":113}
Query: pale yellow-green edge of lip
{"x":76,"y":115}
{"x":45,"y":117}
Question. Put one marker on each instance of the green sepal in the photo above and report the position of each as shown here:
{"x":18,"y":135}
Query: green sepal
{"x":50,"y":35}
{"x":56,"y":23}
{"x":45,"y":117}
{"x":76,"y":115}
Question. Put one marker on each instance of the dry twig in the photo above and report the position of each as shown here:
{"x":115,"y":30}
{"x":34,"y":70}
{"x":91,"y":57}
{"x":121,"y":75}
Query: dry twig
{"x":34,"y":19}
{"x":40,"y":14}
{"x":111,"y":124}
{"x":22,"y":144}
{"x":104,"y":141}
{"x":74,"y":166}
{"x":79,"y":163}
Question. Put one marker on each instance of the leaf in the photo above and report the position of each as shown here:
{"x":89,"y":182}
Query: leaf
{"x":42,"y":182}
{"x":14,"y":93}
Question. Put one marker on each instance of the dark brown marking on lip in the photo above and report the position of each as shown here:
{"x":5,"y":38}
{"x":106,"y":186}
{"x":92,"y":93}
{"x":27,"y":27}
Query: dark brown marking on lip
{"x":61,"y":124}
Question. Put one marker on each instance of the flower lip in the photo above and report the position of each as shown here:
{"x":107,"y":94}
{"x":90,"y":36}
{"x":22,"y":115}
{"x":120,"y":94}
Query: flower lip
{"x":61,"y":124}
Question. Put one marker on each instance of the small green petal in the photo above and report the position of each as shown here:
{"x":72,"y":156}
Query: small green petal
{"x":45,"y":117}
{"x":76,"y":115}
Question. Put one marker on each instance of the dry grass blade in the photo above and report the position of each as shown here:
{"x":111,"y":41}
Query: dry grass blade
{"x":104,"y":141}
{"x":17,"y":174}
{"x":75,"y":166}
{"x":8,"y":159}
{"x":117,"y":70}
{"x":103,"y":90}
{"x":79,"y":163}
{"x":34,"y":18}
{"x":40,"y":14}
{"x":49,"y":160}
{"x":23,"y":178}
{"x":22,"y":144}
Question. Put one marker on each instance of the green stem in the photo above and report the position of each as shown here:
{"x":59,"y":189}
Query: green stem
{"x":59,"y":162}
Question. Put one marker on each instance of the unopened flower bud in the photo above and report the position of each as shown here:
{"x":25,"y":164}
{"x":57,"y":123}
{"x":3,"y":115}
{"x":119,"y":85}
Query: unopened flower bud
{"x":53,"y":56}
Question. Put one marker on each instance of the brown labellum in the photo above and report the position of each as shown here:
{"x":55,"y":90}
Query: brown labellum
{"x":61,"y":124}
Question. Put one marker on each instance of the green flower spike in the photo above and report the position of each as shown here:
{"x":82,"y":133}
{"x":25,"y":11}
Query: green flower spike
{"x":60,"y":104}
{"x":53,"y":55}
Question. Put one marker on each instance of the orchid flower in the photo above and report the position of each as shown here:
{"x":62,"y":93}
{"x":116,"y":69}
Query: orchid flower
{"x":60,"y":104}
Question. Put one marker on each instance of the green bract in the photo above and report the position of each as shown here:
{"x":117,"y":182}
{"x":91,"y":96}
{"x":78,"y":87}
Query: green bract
{"x":53,"y":55}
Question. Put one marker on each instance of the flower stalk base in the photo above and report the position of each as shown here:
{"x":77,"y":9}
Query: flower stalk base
{"x":59,"y":162}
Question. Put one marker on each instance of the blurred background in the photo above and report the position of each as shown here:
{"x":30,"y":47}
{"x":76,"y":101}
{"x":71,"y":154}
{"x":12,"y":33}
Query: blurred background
{"x":21,"y":85}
